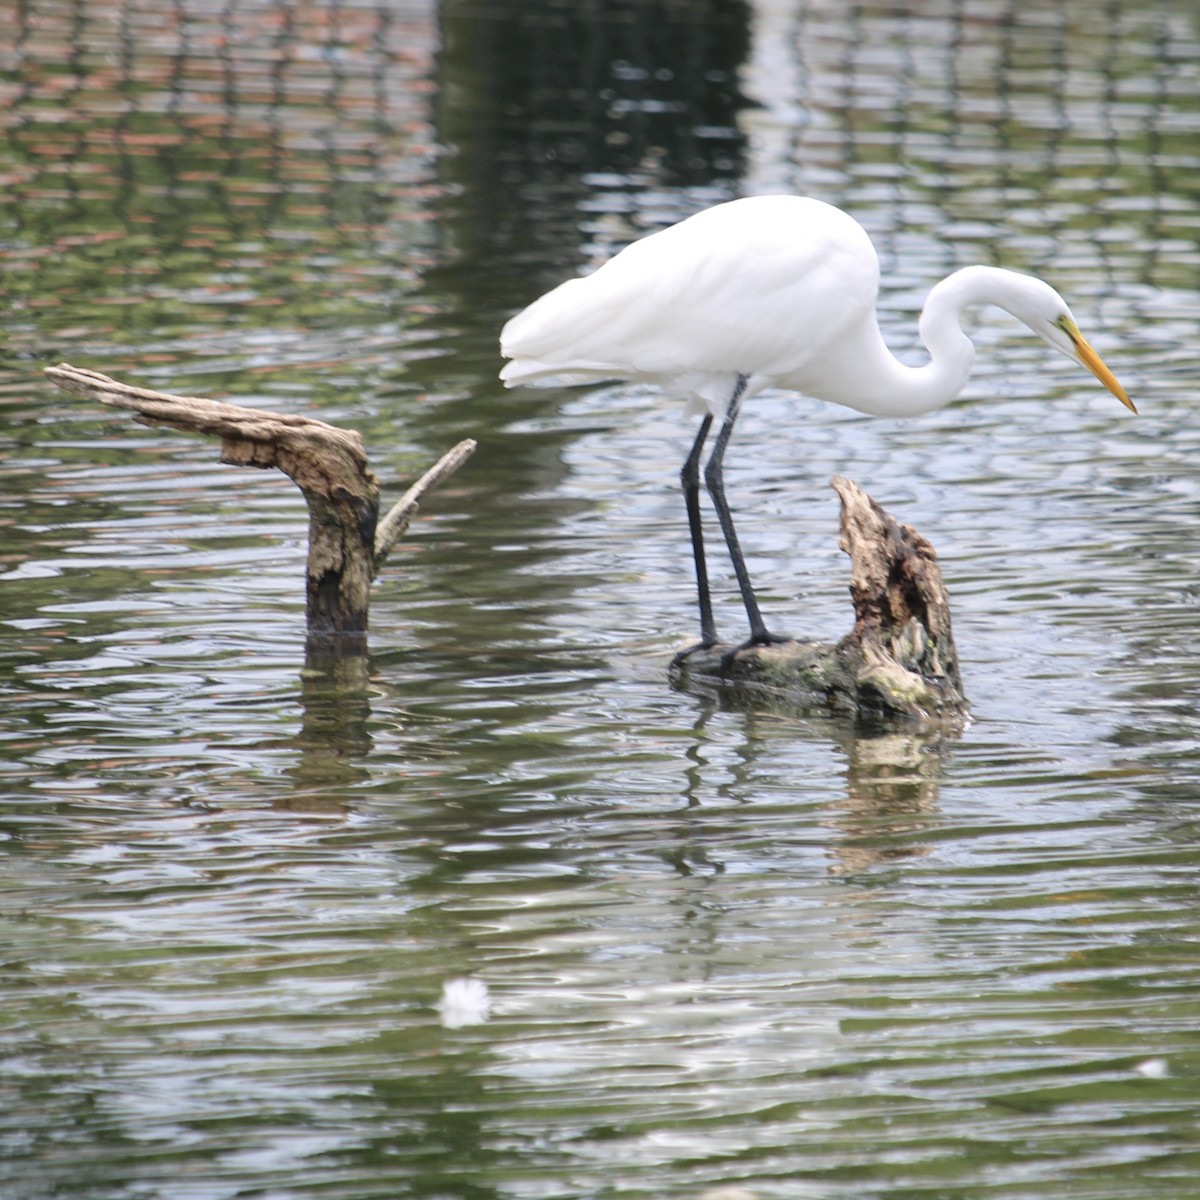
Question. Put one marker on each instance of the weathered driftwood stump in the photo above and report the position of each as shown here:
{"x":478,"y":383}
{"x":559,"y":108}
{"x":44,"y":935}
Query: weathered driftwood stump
{"x":898,"y":661}
{"x":347,"y":540}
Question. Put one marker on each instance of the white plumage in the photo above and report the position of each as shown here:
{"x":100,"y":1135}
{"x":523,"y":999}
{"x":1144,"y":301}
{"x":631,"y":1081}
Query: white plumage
{"x":684,"y":308}
{"x":765,"y":291}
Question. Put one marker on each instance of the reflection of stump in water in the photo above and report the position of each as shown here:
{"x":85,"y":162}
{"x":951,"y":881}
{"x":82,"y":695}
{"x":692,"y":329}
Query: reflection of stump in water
{"x":891,"y":801}
{"x":347,"y":540}
{"x":898,"y":661}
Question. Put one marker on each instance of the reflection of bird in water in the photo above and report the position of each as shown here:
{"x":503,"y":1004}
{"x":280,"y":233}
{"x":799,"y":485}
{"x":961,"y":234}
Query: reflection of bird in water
{"x":766,"y":291}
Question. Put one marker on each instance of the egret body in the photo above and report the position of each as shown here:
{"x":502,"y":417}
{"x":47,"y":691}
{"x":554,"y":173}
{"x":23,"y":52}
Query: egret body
{"x":768,"y":291}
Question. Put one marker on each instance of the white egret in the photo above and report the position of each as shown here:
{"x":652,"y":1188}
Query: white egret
{"x":767,"y":291}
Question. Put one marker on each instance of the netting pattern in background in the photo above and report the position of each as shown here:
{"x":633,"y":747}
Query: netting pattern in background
{"x":236,"y":143}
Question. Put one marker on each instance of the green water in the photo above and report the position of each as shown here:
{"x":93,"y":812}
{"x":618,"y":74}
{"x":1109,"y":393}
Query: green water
{"x":723,"y":947}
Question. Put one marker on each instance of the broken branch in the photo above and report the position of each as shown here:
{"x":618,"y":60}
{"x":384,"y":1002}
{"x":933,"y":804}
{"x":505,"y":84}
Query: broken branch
{"x":347,"y":544}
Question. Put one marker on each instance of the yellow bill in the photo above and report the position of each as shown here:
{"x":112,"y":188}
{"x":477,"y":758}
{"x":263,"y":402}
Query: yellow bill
{"x":1095,"y":364}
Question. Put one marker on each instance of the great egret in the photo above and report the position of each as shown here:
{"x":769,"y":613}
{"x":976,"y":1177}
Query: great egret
{"x":775,"y":291}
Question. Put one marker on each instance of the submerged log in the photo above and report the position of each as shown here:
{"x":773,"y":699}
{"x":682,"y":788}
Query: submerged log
{"x":347,"y":540}
{"x":899,"y":660}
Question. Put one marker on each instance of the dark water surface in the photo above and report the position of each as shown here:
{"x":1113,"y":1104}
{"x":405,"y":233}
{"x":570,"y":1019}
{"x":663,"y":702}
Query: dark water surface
{"x":723,"y":948}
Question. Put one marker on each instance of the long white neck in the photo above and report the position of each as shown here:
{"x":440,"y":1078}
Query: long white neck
{"x":863,"y":374}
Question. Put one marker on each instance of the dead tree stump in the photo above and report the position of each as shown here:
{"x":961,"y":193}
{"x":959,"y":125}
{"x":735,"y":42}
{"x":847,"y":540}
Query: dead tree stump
{"x":898,"y":661}
{"x":347,"y":540}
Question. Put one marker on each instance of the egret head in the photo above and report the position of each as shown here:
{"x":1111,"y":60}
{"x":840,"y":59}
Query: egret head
{"x":1072,"y":343}
{"x":1033,"y":302}
{"x":1047,"y":314}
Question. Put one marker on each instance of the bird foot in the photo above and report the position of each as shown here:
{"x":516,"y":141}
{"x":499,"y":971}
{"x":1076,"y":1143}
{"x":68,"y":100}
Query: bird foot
{"x":758,"y":639}
{"x":688,"y":651}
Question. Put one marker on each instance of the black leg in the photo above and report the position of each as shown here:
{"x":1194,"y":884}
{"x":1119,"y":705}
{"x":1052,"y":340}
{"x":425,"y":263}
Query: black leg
{"x":690,"y":477}
{"x":714,"y":478}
